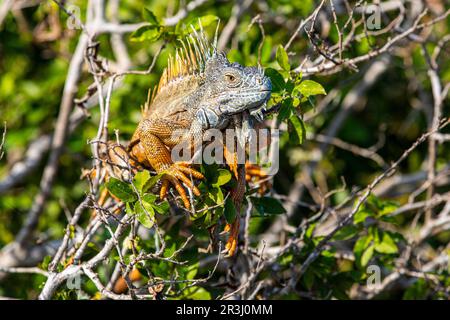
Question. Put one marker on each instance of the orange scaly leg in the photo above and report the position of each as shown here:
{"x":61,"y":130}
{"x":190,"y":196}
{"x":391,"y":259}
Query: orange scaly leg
{"x":237,"y":196}
{"x":150,"y":145}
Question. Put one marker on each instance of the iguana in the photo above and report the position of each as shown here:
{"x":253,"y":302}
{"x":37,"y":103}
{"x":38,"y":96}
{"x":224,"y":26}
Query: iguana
{"x":199,"y":90}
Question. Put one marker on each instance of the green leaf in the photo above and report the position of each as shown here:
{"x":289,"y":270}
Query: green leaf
{"x":129,"y":208}
{"x":361,"y":216}
{"x":276,"y":78}
{"x":375,"y":232}
{"x":140,"y":179}
{"x":45,"y":262}
{"x":230,"y":210}
{"x":151,"y":182}
{"x":310,"y":88}
{"x":203,"y":21}
{"x":388,"y":207}
{"x":387,"y":245}
{"x":367,"y":255}
{"x":328,"y":253}
{"x":361,"y":244}
{"x":197,"y":293}
{"x":223,"y":177}
{"x":310,"y":230}
{"x":285,"y":110}
{"x":207,"y":20}
{"x":192,"y":271}
{"x":282,"y":58}
{"x":346,"y":233}
{"x":267,"y":205}
{"x":149,"y":198}
{"x":72,"y":231}
{"x":216,"y":195}
{"x":145,"y":218}
{"x":121,"y":190}
{"x":289,"y":84}
{"x":147,"y":33}
{"x":298,"y":78}
{"x":162,"y":207}
{"x":150,"y":17}
{"x":299,"y":128}
{"x":170,"y":250}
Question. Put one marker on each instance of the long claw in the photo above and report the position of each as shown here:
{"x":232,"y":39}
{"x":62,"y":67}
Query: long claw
{"x":164,"y":188}
{"x":231,"y":160}
{"x":233,"y":168}
{"x":226,"y":229}
{"x":231,"y":245}
{"x":176,"y":174}
{"x":181,"y":192}
{"x":256,"y":173}
{"x":188,"y":183}
{"x":192,"y":172}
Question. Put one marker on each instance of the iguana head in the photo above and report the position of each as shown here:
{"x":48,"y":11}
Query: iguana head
{"x":230,"y":88}
{"x":213,"y":88}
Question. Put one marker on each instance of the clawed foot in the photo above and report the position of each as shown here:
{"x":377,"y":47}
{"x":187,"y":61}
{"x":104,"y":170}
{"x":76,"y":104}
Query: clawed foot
{"x":255,"y":173}
{"x":231,"y":245}
{"x":176,"y":174}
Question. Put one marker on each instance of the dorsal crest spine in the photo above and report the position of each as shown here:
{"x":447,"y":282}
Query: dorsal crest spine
{"x":189,"y":59}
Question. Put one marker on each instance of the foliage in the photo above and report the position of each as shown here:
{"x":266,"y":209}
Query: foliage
{"x":33,"y":72}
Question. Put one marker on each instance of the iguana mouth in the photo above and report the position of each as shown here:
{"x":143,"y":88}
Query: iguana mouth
{"x":257,"y":106}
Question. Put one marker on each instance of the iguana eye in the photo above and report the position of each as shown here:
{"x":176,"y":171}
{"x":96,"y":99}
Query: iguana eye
{"x":230,"y":78}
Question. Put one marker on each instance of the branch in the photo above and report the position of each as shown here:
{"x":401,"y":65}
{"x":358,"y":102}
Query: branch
{"x":320,"y":247}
